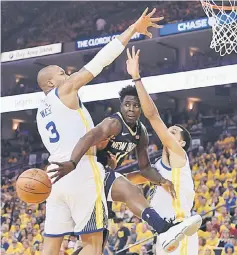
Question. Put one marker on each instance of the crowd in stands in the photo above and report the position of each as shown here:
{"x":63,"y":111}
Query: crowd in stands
{"x":215,"y":175}
{"x":43,"y":23}
{"x":214,"y":169}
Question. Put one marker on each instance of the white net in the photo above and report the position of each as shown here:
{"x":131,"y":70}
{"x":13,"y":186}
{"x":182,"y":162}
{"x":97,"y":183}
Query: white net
{"x":222,"y":16}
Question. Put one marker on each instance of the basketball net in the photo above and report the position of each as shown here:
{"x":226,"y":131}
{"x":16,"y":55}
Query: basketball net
{"x":222,"y":17}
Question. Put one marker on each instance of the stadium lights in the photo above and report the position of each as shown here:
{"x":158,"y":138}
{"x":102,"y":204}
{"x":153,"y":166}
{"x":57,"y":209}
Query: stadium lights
{"x":194,"y":99}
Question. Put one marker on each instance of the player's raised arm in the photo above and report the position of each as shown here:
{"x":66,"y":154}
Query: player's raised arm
{"x":107,"y":128}
{"x":111,"y":51}
{"x":148,"y":106}
{"x":146,"y":170}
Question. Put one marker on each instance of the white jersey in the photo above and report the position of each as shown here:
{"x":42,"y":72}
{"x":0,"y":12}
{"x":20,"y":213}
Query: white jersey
{"x":77,"y":202}
{"x":60,"y":127}
{"x":162,"y":201}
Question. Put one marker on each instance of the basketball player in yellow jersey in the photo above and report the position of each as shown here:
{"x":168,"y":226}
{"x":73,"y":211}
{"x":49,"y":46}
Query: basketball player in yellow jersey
{"x":62,"y":120}
{"x":174,"y":165}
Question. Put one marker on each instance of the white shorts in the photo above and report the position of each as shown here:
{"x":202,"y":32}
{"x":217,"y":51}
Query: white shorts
{"x":77,"y":202}
{"x":188,"y":246}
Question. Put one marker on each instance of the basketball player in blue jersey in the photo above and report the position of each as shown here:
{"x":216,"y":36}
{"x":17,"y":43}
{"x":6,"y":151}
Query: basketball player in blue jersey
{"x":62,"y":120}
{"x":173,"y":165}
{"x":126,"y":133}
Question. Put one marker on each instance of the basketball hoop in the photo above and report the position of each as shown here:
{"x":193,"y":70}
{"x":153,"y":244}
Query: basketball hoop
{"x":222,"y":17}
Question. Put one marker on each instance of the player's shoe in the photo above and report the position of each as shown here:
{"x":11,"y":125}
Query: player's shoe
{"x":176,"y":232}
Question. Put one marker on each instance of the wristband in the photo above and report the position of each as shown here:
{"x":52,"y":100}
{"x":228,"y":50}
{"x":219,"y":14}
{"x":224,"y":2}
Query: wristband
{"x":139,"y":79}
{"x":74,"y":163}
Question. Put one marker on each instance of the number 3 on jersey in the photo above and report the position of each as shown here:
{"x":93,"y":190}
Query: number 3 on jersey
{"x":55,"y":135}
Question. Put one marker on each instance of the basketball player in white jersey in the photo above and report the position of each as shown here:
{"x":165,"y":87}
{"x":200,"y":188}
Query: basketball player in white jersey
{"x":173,"y":165}
{"x":77,"y":202}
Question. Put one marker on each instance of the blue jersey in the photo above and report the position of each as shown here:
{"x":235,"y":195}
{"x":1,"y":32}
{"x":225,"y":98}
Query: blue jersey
{"x":122,"y":144}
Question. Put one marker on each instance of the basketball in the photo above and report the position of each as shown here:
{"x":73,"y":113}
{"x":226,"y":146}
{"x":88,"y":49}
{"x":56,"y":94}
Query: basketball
{"x":33,"y":186}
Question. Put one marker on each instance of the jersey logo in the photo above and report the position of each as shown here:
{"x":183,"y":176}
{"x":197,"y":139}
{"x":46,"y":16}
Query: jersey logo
{"x":123,"y":134}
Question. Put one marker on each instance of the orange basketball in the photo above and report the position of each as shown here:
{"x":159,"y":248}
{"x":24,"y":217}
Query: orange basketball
{"x":33,"y":186}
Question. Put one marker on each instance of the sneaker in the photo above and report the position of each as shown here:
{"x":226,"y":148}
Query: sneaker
{"x":176,"y":232}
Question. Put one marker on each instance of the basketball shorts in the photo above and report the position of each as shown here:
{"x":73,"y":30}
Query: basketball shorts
{"x":188,"y":246}
{"x":110,"y":178}
{"x":77,"y":203}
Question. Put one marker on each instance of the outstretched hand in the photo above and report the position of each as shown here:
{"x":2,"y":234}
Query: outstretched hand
{"x":146,"y":21}
{"x":63,"y":169}
{"x":133,"y":63}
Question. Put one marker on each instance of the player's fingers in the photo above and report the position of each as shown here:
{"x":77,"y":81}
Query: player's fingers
{"x":145,"y":12}
{"x":53,"y":170}
{"x":128,"y":54}
{"x":151,"y":13}
{"x":156,"y":19}
{"x":173,"y":192}
{"x":156,"y":25}
{"x":112,"y":156}
{"x":57,"y":179}
{"x":54,"y":175}
{"x":56,"y":163}
{"x":138,"y":53}
{"x":148,"y":34}
{"x":133,"y":52}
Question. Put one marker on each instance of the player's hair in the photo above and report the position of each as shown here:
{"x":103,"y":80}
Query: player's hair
{"x":127,"y":91}
{"x":185,"y":136}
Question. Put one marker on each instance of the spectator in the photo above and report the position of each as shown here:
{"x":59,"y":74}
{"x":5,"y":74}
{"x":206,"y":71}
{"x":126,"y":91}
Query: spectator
{"x":145,"y":234}
{"x":66,"y":248}
{"x":123,"y":237}
{"x":225,"y":235}
{"x":5,"y":243}
{"x":14,"y":247}
{"x":26,"y":248}
{"x":209,"y":251}
{"x":215,"y":223}
{"x":100,"y":24}
{"x":3,"y":251}
{"x":202,"y":246}
{"x":143,"y":251}
{"x":230,"y":227}
{"x":133,"y":239}
{"x":72,"y":241}
{"x":213,"y":240}
{"x":17,"y":233}
{"x":234,"y":217}
{"x":112,"y":238}
{"x":204,"y":209}
{"x":229,"y":249}
{"x":124,"y":213}
{"x":231,"y":200}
